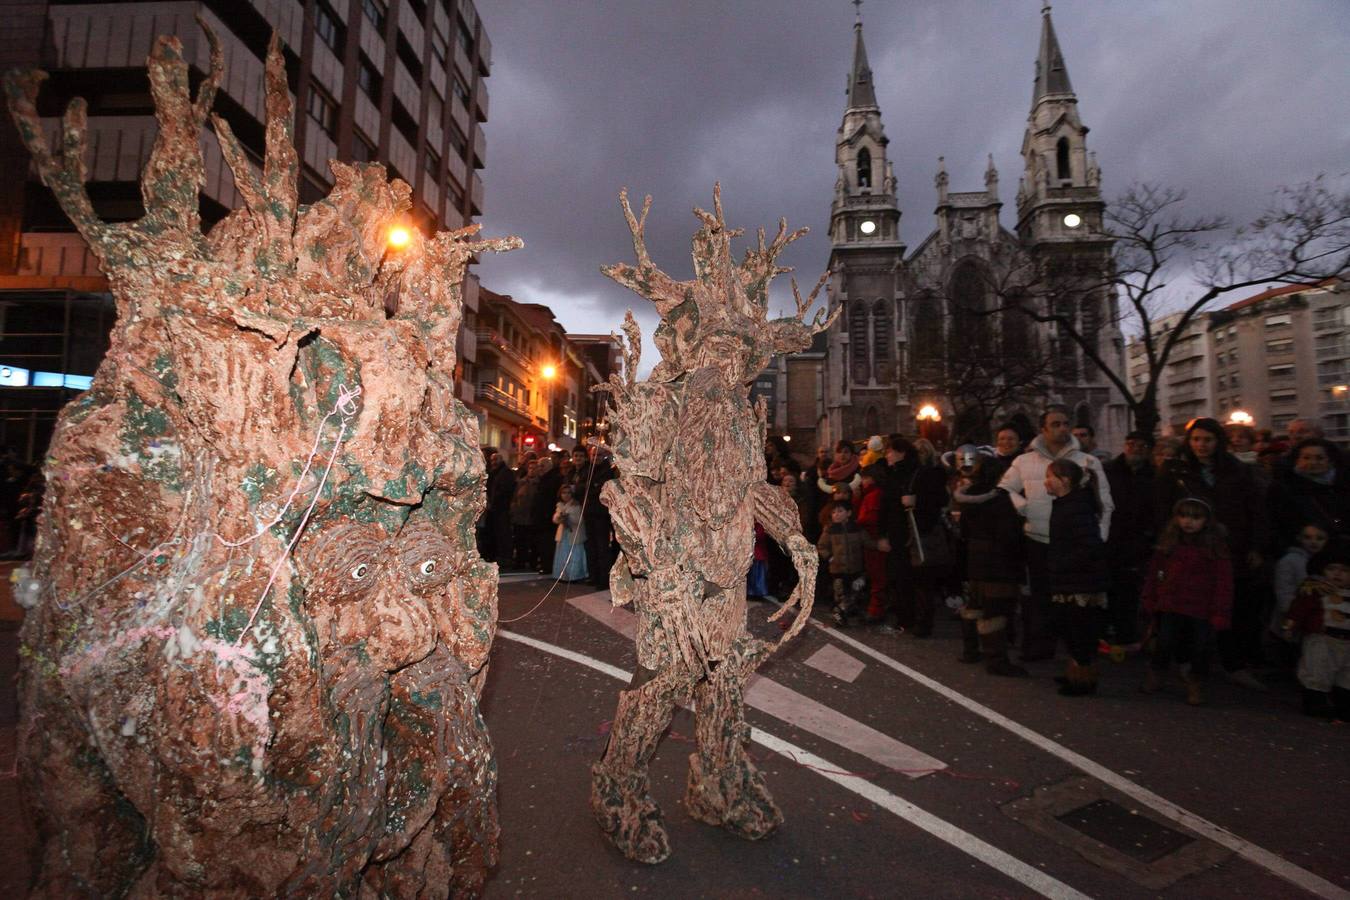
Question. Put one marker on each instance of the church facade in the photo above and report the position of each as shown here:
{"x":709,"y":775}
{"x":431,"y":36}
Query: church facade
{"x":946,"y":325}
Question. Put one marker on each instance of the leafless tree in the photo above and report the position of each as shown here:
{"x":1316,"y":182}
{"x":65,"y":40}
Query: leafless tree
{"x":1302,"y":238}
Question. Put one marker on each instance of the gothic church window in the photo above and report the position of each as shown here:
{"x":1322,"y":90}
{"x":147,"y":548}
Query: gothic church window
{"x":926,"y":331}
{"x":857,"y":339}
{"x":864,"y":168}
{"x":971,"y":326}
{"x":1062,"y":159}
{"x":882,"y":339}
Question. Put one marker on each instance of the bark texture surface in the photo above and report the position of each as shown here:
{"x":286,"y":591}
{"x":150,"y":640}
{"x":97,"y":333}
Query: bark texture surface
{"x":258,"y":623}
{"x":688,"y":447}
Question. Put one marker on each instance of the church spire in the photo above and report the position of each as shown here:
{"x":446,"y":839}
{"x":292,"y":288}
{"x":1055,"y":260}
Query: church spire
{"x":1052,"y":76}
{"x":860,"y":92}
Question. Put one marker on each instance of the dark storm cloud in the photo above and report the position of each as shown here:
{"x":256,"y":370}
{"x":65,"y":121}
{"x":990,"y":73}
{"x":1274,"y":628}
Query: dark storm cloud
{"x":1227,"y":99}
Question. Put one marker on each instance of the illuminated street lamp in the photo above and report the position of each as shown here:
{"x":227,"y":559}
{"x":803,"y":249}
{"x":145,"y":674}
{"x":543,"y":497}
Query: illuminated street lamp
{"x":930,"y":425}
{"x":399,"y":237}
{"x":1240,"y":417}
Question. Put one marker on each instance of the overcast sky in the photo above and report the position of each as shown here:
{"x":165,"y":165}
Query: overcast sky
{"x":1227,"y":99}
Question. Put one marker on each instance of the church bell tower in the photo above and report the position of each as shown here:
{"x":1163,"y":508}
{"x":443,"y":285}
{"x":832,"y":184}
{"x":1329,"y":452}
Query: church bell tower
{"x":866,"y":256}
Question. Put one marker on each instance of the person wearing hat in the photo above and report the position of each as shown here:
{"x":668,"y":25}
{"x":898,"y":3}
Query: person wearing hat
{"x":1320,"y":613}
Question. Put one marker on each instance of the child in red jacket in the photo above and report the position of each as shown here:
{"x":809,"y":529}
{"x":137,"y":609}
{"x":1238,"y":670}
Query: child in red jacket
{"x":1189,"y":592}
{"x":1321,"y":614}
{"x":867,"y":513}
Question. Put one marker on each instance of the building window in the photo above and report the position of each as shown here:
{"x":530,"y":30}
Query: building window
{"x":1279,"y":321}
{"x":369,"y":79}
{"x":457,"y":142}
{"x":461,"y":90}
{"x":1221,"y":382}
{"x":409,"y":57}
{"x":322,"y":110}
{"x":465,"y":38}
{"x":882,"y":340}
{"x":433,"y":164}
{"x":1218,"y":336}
{"x":435,"y":107}
{"x":419,"y":8}
{"x":857,"y":333}
{"x":329,"y":28}
{"x":454,"y":198}
{"x":1283,"y":396}
{"x":1282,"y":345}
{"x":1285,"y":371}
{"x":440,"y":46}
{"x":404,"y":122}
{"x":864,"y":168}
{"x":1062,"y":159}
{"x":362,"y":149}
{"x":375,"y":11}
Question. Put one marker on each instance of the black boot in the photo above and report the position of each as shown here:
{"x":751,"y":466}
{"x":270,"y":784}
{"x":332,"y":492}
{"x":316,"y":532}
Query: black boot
{"x":994,"y":647}
{"x":1316,"y":703}
{"x":1340,"y":701}
{"x":970,"y":642}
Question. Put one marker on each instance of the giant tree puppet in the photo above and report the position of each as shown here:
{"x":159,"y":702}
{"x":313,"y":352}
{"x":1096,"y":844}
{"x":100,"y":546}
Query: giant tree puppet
{"x":689,"y":450}
{"x":257,"y":623}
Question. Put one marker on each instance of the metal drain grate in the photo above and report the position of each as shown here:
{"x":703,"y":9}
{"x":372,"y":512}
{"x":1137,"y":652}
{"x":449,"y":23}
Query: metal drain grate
{"x":1139,"y":837}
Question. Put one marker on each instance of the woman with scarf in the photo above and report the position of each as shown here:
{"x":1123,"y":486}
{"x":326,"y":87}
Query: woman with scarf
{"x":1316,"y":491}
{"x":1233,"y":490}
{"x":844,"y":470}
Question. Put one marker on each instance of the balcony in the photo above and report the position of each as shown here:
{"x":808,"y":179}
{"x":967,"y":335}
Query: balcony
{"x":490,"y":393}
{"x":490,"y":338}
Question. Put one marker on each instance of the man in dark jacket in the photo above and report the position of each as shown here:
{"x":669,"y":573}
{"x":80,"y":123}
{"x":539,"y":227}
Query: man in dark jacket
{"x":900,"y":462}
{"x":1134,"y":531}
{"x":501,"y":489}
{"x":545,"y":501}
{"x":596,"y":516}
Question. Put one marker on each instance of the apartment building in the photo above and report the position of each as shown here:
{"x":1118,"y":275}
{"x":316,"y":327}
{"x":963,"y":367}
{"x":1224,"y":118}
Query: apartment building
{"x":533,"y":380}
{"x":1284,"y":354}
{"x":1186,"y":388}
{"x":400,"y":82}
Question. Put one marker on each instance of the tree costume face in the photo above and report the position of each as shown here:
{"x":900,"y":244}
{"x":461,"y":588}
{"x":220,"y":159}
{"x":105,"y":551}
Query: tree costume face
{"x":259,"y":623}
{"x":688,"y":447}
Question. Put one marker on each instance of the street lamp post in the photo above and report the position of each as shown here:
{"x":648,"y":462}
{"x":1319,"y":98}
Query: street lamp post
{"x":930,"y":425}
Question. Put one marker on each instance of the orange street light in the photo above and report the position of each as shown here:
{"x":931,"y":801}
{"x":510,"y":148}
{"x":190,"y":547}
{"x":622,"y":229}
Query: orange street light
{"x":399,"y":237}
{"x":549,"y":371}
{"x":929,"y":413}
{"x":1240,"y":417}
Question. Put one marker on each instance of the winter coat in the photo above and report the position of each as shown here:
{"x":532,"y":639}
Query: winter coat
{"x":1319,"y":606}
{"x":928,"y":484}
{"x":1077,"y":558}
{"x":842,"y":544}
{"x":867,"y":509}
{"x":546,"y":496}
{"x":1025,"y":483}
{"x":1134,"y":525}
{"x":1189,"y":581}
{"x":1235,"y":496}
{"x":1296,"y":501}
{"x":991,"y":532}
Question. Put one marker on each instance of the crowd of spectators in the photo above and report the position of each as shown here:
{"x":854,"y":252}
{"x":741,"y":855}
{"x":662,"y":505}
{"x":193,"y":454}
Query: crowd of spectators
{"x":545,"y":515}
{"x":1221,"y":543}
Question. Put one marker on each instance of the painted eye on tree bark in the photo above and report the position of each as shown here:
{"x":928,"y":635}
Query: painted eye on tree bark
{"x":360,"y":571}
{"x":428,"y":567}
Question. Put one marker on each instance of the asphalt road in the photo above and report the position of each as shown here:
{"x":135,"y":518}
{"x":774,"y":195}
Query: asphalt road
{"x":1177,"y":801}
{"x":1028,"y":793}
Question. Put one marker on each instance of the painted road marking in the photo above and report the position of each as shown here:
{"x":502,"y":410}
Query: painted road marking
{"x":1011,"y":866}
{"x":1272,"y":862}
{"x":767,"y":695}
{"x":833,"y":661}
